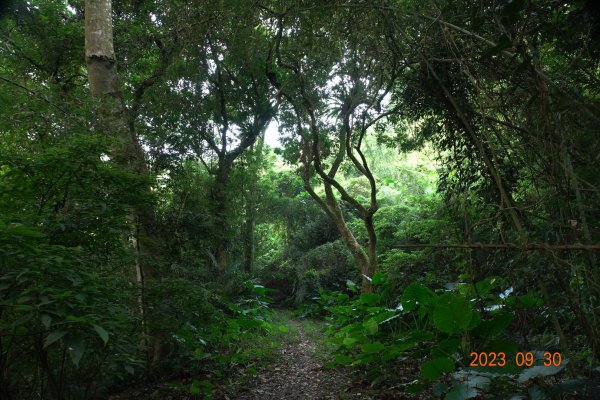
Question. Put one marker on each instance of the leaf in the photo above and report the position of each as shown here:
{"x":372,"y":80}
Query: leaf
{"x":53,"y":337}
{"x":370,"y":299}
{"x":129,"y":369}
{"x":485,"y":286}
{"x":536,"y":393}
{"x":414,"y":295}
{"x":349,"y":341}
{"x":76,"y":347}
{"x":378,"y":279}
{"x":343,"y":359}
{"x":540,"y":370}
{"x":461,"y":392}
{"x":373,"y":347}
{"x":452,"y":314}
{"x":433,"y":369}
{"x":474,"y":379}
{"x":371,"y":326}
{"x":101,"y":332}
{"x":353,"y":287}
{"x":46,"y":320}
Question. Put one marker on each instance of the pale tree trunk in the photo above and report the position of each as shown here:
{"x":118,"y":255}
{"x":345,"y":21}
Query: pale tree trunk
{"x":113,"y":118}
{"x":99,"y":51}
{"x":251,"y":193}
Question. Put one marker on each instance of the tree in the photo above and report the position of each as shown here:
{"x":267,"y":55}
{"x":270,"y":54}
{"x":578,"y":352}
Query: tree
{"x":223,"y":105}
{"x":360,"y":73}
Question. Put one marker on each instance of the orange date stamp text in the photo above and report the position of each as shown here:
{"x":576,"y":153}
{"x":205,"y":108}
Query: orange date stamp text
{"x":499,"y":359}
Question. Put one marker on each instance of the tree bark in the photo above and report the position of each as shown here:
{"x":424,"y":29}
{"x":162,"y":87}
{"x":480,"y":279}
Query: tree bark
{"x":99,"y":51}
{"x":251,"y":193}
{"x":113,"y":118}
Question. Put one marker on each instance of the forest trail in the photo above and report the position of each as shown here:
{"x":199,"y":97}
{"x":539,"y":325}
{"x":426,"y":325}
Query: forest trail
{"x":299,"y":374}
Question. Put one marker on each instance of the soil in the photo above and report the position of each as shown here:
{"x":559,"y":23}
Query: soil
{"x":299,"y":374}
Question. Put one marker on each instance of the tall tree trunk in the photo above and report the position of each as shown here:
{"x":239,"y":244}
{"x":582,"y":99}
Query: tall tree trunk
{"x":113,"y":117}
{"x":366,"y":262}
{"x":220,"y":214}
{"x":249,"y":236}
{"x":251,"y":193}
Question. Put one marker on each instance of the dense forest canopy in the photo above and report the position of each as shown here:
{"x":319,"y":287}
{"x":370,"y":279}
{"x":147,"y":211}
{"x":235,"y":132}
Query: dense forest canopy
{"x":432,"y":199}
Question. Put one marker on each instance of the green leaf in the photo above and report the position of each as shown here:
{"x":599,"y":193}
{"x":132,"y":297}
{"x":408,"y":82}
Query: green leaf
{"x":452,"y":314}
{"x":414,"y":295}
{"x":485,"y":286}
{"x":373,"y":347}
{"x":474,"y":379}
{"x":370,"y":299}
{"x":53,"y":337}
{"x":378,"y":279}
{"x":461,"y":392}
{"x":536,"y":393}
{"x":343,"y":359}
{"x":540,"y":370}
{"x":440,"y":389}
{"x":101,"y":332}
{"x":76,"y":347}
{"x":46,"y":320}
{"x":433,"y":369}
{"x":371,"y":326}
{"x":353,"y":287}
{"x":349,"y":341}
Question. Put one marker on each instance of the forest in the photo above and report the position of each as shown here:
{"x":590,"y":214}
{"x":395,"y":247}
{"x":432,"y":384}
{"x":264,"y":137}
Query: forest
{"x":299,"y":199}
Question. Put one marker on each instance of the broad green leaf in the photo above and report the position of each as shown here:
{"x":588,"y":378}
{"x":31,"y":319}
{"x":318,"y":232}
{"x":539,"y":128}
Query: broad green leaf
{"x":378,"y":279}
{"x":371,"y":326}
{"x":485,"y":286}
{"x":349,"y":341}
{"x":370,"y":299}
{"x":440,"y":389}
{"x":461,"y":392}
{"x":373,"y":347}
{"x":452,"y":314}
{"x":540,"y":370}
{"x":433,"y":369}
{"x":101,"y":332}
{"x":76,"y":347}
{"x":343,"y":359}
{"x":416,"y":294}
{"x":53,"y":337}
{"x":474,"y":379}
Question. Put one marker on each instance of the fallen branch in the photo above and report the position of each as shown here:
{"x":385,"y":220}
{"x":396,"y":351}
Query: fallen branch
{"x":512,"y":246}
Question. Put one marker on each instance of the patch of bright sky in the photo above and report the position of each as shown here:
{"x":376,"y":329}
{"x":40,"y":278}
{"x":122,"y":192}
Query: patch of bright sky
{"x":71,"y":9}
{"x":272,"y":135}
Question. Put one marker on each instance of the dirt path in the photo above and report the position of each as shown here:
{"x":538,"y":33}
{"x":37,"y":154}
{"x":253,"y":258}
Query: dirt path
{"x":299,"y":374}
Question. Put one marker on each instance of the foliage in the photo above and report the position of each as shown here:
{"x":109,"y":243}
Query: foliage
{"x":440,"y":329}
